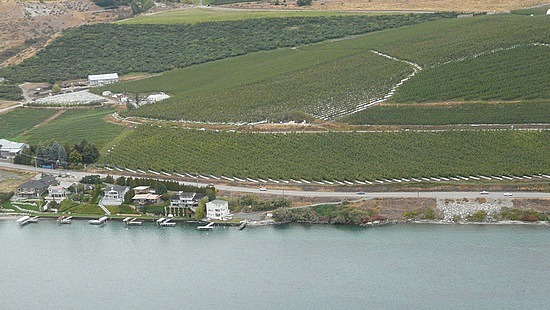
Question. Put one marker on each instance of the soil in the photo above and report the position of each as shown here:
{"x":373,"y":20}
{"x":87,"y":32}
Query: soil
{"x":398,"y":5}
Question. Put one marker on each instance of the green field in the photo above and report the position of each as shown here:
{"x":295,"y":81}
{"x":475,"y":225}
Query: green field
{"x":517,"y":74}
{"x":104,"y":48}
{"x":75,"y":125}
{"x":255,"y":86}
{"x":198,"y":15}
{"x":467,"y":113}
{"x":19,"y":120}
{"x":349,"y":156}
{"x":323,"y":90}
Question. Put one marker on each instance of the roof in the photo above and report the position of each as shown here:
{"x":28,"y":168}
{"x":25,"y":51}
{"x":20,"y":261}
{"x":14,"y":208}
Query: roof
{"x":218,"y":202}
{"x":99,"y":77}
{"x":10,"y":146}
{"x":141,"y":188}
{"x":118,"y":188}
{"x":146,"y":196}
{"x":36,"y":184}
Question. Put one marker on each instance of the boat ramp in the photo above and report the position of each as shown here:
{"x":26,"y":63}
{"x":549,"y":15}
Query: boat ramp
{"x":165,"y":222}
{"x":26,"y":220}
{"x":132,"y":221}
{"x":102,"y":220}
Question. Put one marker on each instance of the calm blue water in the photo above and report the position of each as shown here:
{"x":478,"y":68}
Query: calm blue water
{"x":79,"y":266}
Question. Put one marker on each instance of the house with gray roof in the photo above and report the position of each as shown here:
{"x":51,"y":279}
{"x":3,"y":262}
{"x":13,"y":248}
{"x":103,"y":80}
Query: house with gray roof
{"x":113,"y":195}
{"x":35,"y":188}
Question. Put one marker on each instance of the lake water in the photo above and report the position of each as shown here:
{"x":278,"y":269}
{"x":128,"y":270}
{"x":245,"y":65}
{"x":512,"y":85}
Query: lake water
{"x":413,"y":266}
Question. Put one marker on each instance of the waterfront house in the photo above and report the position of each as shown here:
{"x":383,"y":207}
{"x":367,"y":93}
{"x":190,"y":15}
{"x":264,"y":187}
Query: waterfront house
{"x":113,"y":195}
{"x":218,"y":210}
{"x":147,"y":199}
{"x":183,"y":203}
{"x":35,"y":188}
{"x":56,"y":193}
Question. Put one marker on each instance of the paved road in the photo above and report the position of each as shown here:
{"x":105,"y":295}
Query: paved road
{"x":299,"y":193}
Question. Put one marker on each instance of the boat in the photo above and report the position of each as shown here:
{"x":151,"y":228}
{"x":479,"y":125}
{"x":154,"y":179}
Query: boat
{"x":100,"y":221}
{"x":23,"y":220}
{"x":243,"y":225}
{"x":64,"y":219}
{"x":132,"y":221}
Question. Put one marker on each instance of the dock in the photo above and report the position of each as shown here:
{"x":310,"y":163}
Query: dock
{"x":99,"y":221}
{"x":26,"y":220}
{"x":165,"y":222}
{"x":209,"y":226}
{"x":64,"y":219}
{"x":132,"y":221}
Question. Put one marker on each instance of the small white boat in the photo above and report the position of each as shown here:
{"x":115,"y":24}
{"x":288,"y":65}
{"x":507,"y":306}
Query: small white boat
{"x":209,"y":226}
{"x":64,"y":219}
{"x":102,"y":220}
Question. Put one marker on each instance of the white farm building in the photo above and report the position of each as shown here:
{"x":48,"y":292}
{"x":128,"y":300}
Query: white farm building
{"x":9,"y":149}
{"x":102,"y":79}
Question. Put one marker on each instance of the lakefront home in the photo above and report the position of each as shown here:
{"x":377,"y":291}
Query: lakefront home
{"x":114,"y":195}
{"x":184,"y":203}
{"x":218,"y":210}
{"x":35,"y":188}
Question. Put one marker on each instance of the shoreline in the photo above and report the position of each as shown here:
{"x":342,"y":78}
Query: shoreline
{"x":14,"y":216}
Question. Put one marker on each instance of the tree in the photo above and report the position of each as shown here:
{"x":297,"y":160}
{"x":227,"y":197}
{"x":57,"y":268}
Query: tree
{"x":56,"y":89}
{"x":90,"y":154}
{"x":200,"y":211}
{"x":75,"y":157}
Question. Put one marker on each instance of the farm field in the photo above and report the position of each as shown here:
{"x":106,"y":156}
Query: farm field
{"x":453,"y":113}
{"x":516,"y":74}
{"x":342,"y":156}
{"x":75,"y":125}
{"x":100,"y":48}
{"x":257,"y":78}
{"x":327,"y":89}
{"x":19,"y":120}
{"x":197,"y":15}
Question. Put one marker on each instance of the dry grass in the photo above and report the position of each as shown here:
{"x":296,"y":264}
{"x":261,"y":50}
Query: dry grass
{"x":10,"y":179}
{"x":408,"y":5}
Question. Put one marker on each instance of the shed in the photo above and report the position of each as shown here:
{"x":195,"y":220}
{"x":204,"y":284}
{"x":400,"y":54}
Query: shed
{"x":102,"y":79}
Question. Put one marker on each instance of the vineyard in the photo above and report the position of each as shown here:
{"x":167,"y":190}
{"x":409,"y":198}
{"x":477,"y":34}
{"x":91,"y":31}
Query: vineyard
{"x":466,"y":113}
{"x":73,"y":126}
{"x":519,"y":73}
{"x":284,"y":84}
{"x":329,"y":156}
{"x":324,"y":90}
{"x":105,"y":48}
{"x":19,"y":120}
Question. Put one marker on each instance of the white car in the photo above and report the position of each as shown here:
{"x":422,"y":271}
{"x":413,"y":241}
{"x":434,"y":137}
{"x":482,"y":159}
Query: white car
{"x":263,"y":189}
{"x":484,"y":192}
{"x":508,"y":194}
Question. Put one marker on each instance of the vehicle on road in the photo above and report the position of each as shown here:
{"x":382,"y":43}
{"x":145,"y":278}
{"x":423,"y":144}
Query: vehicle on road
{"x":508,"y":194}
{"x":484,"y":192}
{"x":360,"y":193}
{"x":263,"y":189}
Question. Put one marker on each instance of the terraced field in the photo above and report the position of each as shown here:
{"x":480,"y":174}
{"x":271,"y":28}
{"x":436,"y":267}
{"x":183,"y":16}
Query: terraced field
{"x":342,"y":156}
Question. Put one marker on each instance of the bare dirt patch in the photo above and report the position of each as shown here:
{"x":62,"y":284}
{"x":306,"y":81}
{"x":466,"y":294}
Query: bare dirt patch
{"x":399,"y":5}
{"x":9,"y":179}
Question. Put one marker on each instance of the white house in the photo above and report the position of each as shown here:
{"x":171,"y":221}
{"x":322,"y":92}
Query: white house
{"x":218,"y":210}
{"x":56,"y":193}
{"x":9,"y":149}
{"x":102,"y":79}
{"x":184,"y":203}
{"x":114,"y":195}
